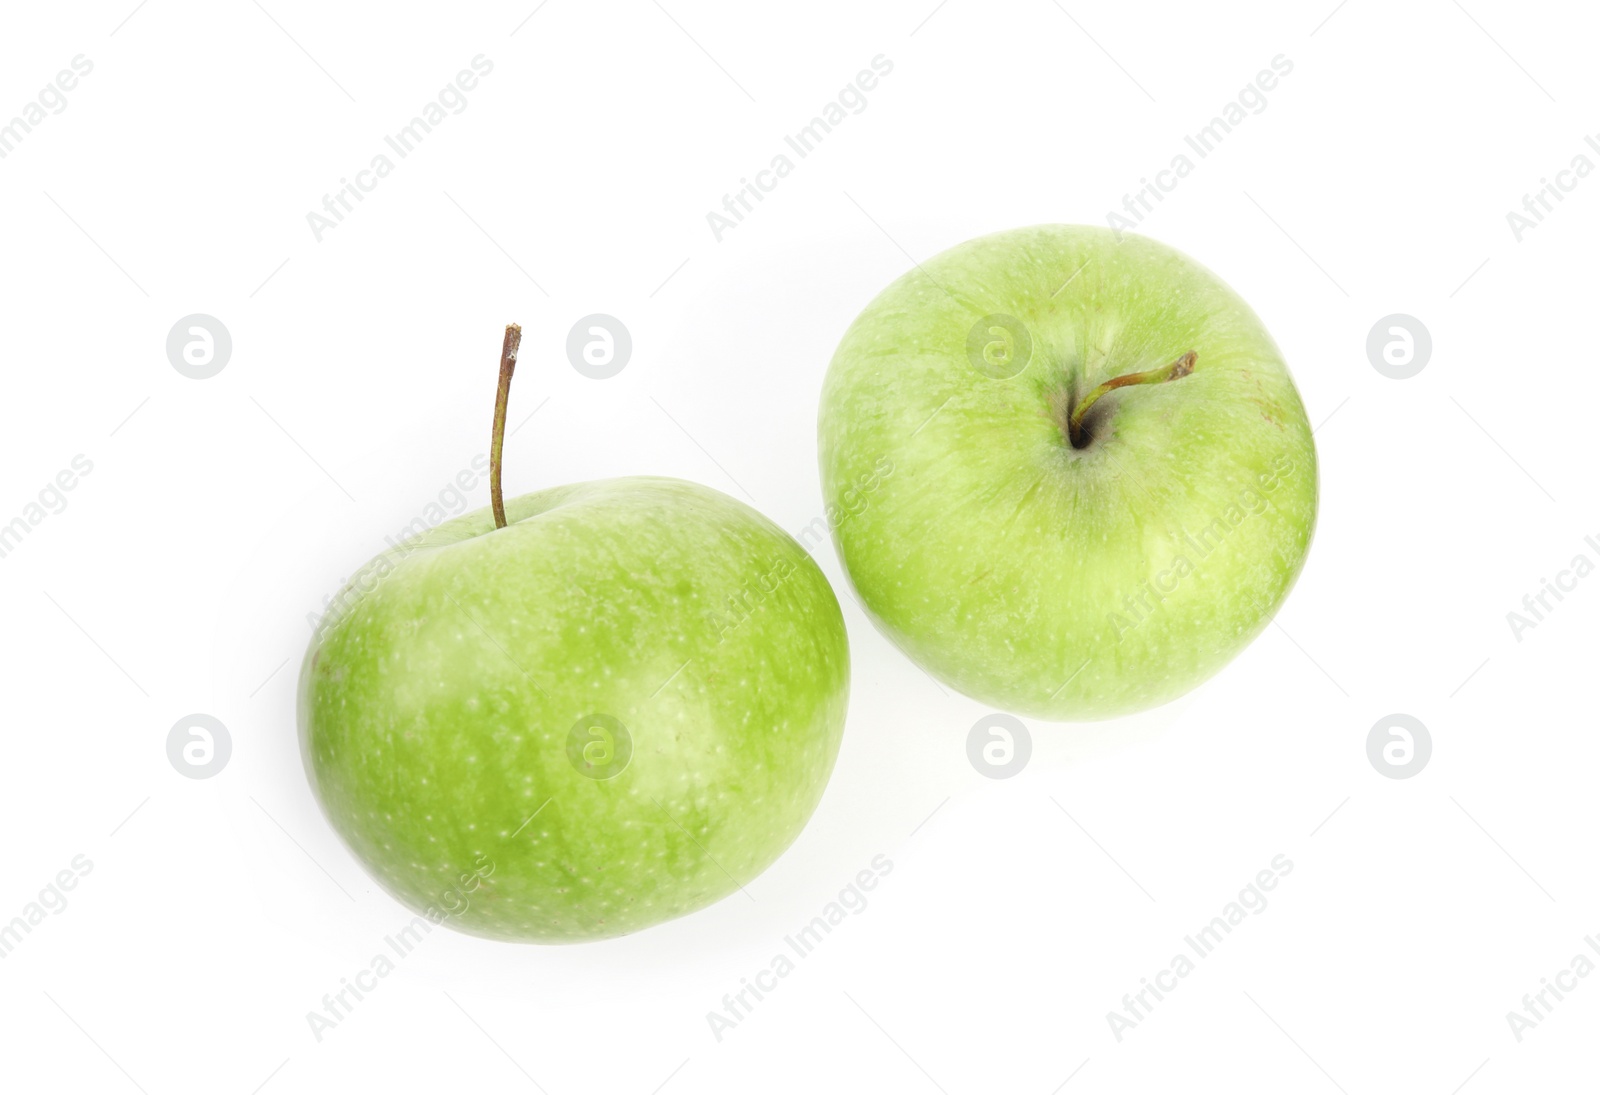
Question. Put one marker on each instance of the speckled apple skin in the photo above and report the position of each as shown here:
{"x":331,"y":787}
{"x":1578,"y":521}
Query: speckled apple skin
{"x":1001,"y":558}
{"x":436,"y":704}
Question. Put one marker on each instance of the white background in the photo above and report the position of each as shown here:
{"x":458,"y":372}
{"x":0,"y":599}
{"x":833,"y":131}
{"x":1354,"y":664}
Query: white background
{"x":179,"y":576}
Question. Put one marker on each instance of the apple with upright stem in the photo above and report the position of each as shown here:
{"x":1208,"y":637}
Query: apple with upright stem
{"x":579,"y":712}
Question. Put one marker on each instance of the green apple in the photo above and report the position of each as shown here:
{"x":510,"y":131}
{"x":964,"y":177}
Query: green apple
{"x":614,"y":705}
{"x":1103,"y":483}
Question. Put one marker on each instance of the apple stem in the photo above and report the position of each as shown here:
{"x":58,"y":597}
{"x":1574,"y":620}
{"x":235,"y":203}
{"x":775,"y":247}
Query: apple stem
{"x":502,"y":399}
{"x":1176,"y":371}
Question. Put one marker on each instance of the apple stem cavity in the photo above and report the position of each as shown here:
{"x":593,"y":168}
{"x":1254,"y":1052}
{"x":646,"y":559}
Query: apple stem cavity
{"x":502,"y":399}
{"x":1175,"y":371}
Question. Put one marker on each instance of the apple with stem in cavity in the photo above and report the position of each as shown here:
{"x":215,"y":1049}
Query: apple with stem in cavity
{"x":579,"y":712}
{"x":1104,"y":482}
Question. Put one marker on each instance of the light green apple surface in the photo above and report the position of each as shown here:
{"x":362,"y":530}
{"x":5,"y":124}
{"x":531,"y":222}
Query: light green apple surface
{"x":617,"y":709}
{"x":1061,"y":576}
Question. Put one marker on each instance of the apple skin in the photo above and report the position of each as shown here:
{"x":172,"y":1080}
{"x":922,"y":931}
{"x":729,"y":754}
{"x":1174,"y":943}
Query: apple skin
{"x":1041,"y":578}
{"x":437,"y":703}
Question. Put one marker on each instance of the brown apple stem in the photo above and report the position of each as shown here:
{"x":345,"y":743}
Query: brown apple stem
{"x":502,"y":399}
{"x":1176,"y":371}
